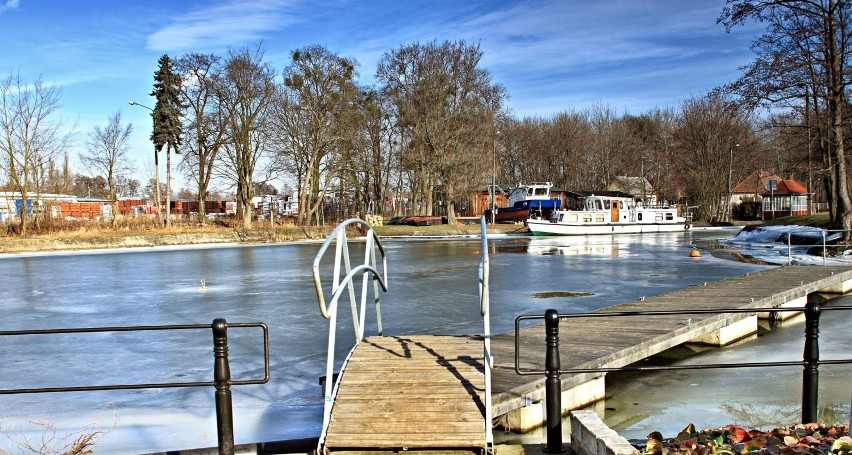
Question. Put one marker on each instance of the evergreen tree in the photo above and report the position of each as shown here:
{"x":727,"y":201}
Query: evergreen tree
{"x":167,"y":122}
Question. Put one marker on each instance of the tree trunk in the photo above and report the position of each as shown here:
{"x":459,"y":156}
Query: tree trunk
{"x":157,"y":187}
{"x":24,"y":214}
{"x":451,"y":213}
{"x":168,"y":186}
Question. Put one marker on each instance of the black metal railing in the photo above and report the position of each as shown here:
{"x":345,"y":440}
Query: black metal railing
{"x":553,"y":384}
{"x":221,"y":370}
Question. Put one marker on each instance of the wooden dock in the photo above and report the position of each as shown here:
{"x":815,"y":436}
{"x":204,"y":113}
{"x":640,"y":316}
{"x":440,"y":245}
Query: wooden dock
{"x":427,"y":393}
{"x":411,"y":393}
{"x":620,"y":341}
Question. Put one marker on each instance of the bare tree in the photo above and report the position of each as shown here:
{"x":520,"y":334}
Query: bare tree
{"x":319,"y":123}
{"x":205,"y":129}
{"x":449,"y":105}
{"x":246,"y":91}
{"x":650,"y":152}
{"x":29,"y":137}
{"x":106,"y":154}
{"x":803,"y":58}
{"x":709,"y":129}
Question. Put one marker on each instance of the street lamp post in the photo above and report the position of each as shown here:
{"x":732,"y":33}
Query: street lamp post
{"x":493,"y":173}
{"x":730,"y":189}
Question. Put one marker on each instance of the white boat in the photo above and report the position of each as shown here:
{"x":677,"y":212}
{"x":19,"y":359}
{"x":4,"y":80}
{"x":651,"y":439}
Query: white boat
{"x":610,"y":215}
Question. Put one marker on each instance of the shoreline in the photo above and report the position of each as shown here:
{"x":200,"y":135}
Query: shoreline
{"x":185,"y":238}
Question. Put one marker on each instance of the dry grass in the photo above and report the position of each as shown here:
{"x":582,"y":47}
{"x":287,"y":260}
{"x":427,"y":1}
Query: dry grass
{"x":59,"y":235}
{"x":49,"y":443}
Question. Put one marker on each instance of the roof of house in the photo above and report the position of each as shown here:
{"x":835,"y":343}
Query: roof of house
{"x":633,"y":185}
{"x":788,"y":186}
{"x":756,"y":183}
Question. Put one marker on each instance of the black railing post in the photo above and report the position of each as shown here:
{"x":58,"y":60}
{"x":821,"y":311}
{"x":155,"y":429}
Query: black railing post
{"x":222,"y":379}
{"x":810,"y":375}
{"x":553,"y":383}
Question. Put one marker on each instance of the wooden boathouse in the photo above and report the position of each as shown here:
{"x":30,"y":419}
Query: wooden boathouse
{"x":437,"y":393}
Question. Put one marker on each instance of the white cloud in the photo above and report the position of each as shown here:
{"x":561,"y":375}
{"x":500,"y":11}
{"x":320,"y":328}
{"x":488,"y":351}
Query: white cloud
{"x":222,"y":25}
{"x":10,"y":4}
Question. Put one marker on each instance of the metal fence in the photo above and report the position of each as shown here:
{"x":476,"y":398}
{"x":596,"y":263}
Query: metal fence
{"x":826,"y":237}
{"x":553,"y":384}
{"x":221,"y":370}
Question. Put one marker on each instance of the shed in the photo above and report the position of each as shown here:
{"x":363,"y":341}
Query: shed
{"x":785,"y":197}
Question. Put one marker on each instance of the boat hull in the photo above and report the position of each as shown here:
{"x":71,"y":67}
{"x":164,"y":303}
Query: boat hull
{"x":508,"y":215}
{"x":541,"y":227}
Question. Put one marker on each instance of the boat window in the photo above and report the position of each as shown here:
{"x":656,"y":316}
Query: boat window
{"x":659,"y":217}
{"x":606,"y":204}
{"x":587,"y":217}
{"x":572,"y":217}
{"x":541,"y":191}
{"x":669,"y":216}
{"x":598,"y":205}
{"x":639,"y":216}
{"x":599,"y":218}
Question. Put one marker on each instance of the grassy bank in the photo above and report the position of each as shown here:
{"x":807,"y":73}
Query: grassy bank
{"x":94,"y":235}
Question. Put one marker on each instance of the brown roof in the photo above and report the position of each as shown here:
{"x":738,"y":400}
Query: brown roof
{"x":788,"y":186}
{"x":756,"y":183}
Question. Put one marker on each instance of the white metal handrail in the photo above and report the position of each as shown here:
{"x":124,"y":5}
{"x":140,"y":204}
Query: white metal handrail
{"x":339,"y":286}
{"x":346,"y":284}
{"x":484,"y":310}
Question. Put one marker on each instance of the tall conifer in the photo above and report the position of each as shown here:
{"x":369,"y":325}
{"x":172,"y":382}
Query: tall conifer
{"x":167,"y":122}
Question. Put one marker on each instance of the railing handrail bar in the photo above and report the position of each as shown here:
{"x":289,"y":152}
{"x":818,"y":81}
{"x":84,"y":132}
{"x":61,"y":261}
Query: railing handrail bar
{"x":132,"y":328}
{"x":222,"y":381}
{"x":338,"y":286}
{"x":720,"y":311}
{"x":552,"y":370}
{"x":362,"y":269}
{"x":157,"y":385}
{"x":328,"y":241}
{"x":703,"y":366}
{"x":484,"y":310}
{"x":677,"y":312}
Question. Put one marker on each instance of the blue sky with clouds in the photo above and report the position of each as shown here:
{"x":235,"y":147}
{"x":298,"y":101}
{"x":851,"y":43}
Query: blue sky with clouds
{"x":551,"y":56}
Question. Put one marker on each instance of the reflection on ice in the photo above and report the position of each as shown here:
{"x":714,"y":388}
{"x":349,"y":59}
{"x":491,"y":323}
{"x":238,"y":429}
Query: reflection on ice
{"x":573,"y":245}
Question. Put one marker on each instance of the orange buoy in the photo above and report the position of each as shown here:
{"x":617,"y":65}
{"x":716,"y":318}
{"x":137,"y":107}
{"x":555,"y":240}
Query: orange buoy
{"x":695,"y":254}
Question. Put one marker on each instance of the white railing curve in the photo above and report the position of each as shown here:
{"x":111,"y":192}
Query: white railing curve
{"x":342,"y":264}
{"x":346,"y":284}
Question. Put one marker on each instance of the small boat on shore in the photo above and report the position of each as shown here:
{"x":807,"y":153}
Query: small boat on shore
{"x":610,"y":215}
{"x":526,"y":201}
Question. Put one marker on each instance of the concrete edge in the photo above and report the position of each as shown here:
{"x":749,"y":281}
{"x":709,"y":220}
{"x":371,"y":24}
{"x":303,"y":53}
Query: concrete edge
{"x":591,"y":436}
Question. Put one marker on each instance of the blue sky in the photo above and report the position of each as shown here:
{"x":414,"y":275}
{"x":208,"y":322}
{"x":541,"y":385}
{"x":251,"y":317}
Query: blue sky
{"x":551,"y":56}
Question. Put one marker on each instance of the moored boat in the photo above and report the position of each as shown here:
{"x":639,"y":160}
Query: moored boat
{"x":526,"y":201}
{"x":610,"y":215}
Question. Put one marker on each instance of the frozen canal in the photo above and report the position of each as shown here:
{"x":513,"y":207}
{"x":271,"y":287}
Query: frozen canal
{"x":432,"y":290}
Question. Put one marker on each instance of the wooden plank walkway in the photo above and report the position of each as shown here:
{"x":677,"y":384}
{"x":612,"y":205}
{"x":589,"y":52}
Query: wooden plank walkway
{"x":411,"y":393}
{"x":620,"y":341}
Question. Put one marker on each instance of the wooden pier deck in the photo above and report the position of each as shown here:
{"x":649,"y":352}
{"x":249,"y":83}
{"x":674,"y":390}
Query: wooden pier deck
{"x":621,"y":341}
{"x":411,"y":393}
